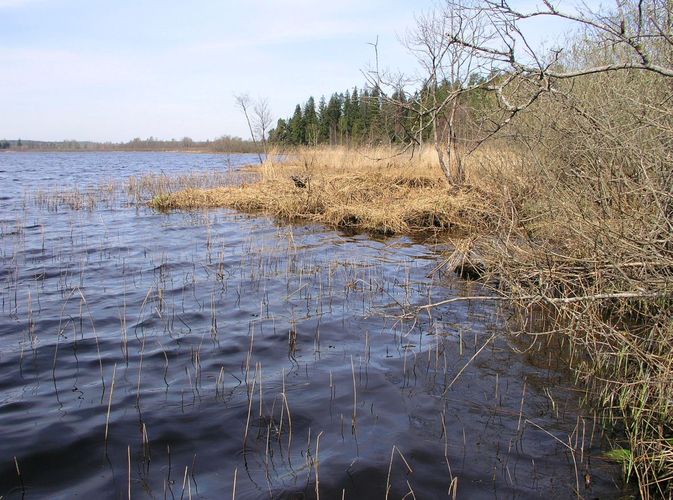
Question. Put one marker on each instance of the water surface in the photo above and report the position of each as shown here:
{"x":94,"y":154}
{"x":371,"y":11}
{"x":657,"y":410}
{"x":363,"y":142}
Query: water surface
{"x":238,"y":355}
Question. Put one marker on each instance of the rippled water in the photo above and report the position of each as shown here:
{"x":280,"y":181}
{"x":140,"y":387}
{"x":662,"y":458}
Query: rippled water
{"x":238,"y":356}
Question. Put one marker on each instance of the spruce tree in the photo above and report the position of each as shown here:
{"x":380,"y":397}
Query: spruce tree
{"x":310,"y":123}
{"x":356,"y":125}
{"x":346,"y":120}
{"x":323,"y":122}
{"x":280,"y":135}
{"x":333,"y":118}
{"x":375,"y":124}
{"x":296,"y":127}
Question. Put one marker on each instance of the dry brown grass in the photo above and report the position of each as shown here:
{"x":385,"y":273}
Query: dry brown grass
{"x":381,"y":191}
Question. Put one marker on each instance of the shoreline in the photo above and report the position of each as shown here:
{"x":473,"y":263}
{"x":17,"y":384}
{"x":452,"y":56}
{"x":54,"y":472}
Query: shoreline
{"x":535,"y":237}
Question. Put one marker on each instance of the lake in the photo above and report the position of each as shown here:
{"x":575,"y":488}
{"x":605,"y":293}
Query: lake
{"x":217,"y":354}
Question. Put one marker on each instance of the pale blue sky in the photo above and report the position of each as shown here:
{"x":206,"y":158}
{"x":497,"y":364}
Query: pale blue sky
{"x":114,"y":70}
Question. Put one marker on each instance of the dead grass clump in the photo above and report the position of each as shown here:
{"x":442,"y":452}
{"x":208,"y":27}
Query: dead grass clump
{"x":105,"y":193}
{"x":364,"y":191}
{"x":146,"y":187}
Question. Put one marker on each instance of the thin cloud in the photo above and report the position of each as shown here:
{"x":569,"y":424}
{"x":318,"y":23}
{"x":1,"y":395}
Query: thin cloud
{"x":15,"y":3}
{"x":48,"y":70}
{"x":115,"y":76}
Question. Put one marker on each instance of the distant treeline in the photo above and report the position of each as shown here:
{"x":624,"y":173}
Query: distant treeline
{"x":224,"y":144}
{"x":366,"y":117}
{"x":350,"y":117}
{"x":5,"y":144}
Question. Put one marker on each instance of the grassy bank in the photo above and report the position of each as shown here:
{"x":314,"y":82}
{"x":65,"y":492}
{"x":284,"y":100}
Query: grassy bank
{"x":592,"y":259}
{"x":373,"y":190}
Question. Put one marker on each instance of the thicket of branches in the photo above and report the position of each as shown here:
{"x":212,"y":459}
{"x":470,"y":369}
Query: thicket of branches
{"x":586,"y":227}
{"x":586,"y":241}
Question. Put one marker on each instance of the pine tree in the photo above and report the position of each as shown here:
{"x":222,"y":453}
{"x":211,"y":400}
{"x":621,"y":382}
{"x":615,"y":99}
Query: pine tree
{"x":375,"y":124}
{"x":323,"y":122}
{"x":356,"y":125}
{"x":310,"y":123}
{"x":334,"y":117}
{"x":346,"y":120}
{"x":281,"y":134}
{"x":296,"y":126}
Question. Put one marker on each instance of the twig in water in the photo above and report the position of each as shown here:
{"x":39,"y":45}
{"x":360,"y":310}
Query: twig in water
{"x":549,"y":300}
{"x":468,"y":363}
{"x":247,"y":422}
{"x":317,"y":466}
{"x":18,"y":473}
{"x":109,"y":404}
{"x":128,"y":453}
{"x":355,"y":399}
{"x":390,"y":468}
{"x":570,"y":448}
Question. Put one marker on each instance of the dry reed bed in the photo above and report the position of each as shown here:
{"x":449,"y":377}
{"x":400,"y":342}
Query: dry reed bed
{"x":372,"y":191}
{"x":133,"y":191}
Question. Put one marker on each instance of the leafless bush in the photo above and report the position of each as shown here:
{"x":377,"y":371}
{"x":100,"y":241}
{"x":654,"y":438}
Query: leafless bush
{"x":594,"y":248}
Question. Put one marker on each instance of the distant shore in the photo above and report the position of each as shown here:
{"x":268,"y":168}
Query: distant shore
{"x":192,"y":151}
{"x":224,"y":144}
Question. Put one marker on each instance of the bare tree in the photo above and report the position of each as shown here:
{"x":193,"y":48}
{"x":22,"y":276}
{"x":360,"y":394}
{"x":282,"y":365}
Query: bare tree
{"x":259,"y":122}
{"x":450,"y":72}
{"x":262,"y":120}
{"x":467,"y":46}
{"x":638,"y":33}
{"x":243,"y":102}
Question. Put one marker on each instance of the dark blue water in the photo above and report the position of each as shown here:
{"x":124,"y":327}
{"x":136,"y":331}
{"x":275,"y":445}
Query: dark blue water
{"x":239,"y":355}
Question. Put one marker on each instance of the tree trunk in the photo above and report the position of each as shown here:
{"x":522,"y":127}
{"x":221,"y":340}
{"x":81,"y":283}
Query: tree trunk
{"x":440,"y":151}
{"x":455,"y":160}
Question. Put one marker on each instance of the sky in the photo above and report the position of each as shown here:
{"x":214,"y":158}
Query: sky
{"x":115,"y":70}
